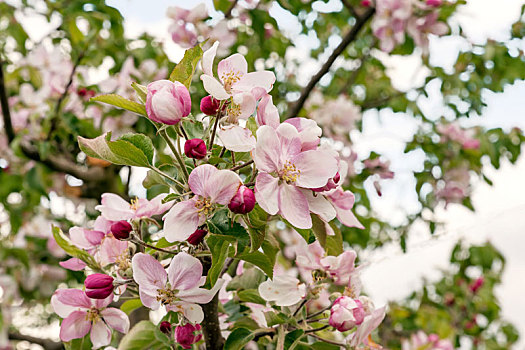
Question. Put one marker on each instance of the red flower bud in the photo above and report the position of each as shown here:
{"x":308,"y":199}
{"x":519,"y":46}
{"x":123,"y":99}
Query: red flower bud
{"x":165,"y":327}
{"x":434,"y":3}
{"x":366,"y":3}
{"x":195,"y":148}
{"x":98,"y":286}
{"x":209,"y":105}
{"x":476,"y":285}
{"x":243,"y":201}
{"x":185,"y":335}
{"x":197,"y":237}
{"x":121,"y":229}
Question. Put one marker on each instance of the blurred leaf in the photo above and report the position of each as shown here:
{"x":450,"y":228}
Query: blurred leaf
{"x":145,"y":335}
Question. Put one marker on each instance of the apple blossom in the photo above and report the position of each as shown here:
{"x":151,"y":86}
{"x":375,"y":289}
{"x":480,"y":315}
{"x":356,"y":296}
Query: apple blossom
{"x":284,"y":169}
{"x":73,"y":264}
{"x":346,"y":313}
{"x":197,"y":237}
{"x":370,"y":322}
{"x":283,"y":290}
{"x":177,"y":288}
{"x":121,"y":229}
{"x":195,"y":148}
{"x":83,"y":315}
{"x":210,"y":105}
{"x":211,"y":186}
{"x":167,"y":102}
{"x":389,"y":23}
{"x":420,"y":28}
{"x":113,"y":207}
{"x":420,"y":340}
{"x":187,"y":335}
{"x":243,"y":202}
{"x":99,"y":286}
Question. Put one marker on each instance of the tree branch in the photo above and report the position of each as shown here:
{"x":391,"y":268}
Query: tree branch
{"x":228,"y":13}
{"x":8,"y":126}
{"x":210,"y":325}
{"x":47,"y":344}
{"x":347,"y":39}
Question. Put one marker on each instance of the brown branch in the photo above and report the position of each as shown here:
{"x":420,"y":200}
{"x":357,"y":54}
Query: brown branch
{"x":47,"y":344}
{"x":347,"y":39}
{"x":228,"y":13}
{"x":211,"y":327}
{"x":350,"y":8}
{"x":240,"y":166}
{"x":8,"y":125}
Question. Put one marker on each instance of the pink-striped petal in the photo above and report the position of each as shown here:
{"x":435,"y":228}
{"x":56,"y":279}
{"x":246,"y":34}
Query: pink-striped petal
{"x":222,"y":186}
{"x":100,"y":335}
{"x":184,"y":272}
{"x":199,"y":177}
{"x":182,"y":220}
{"x":65,"y":301}
{"x":73,"y":264}
{"x":148,"y":272}
{"x":74,"y":326}
{"x":262,"y":79}
{"x":200,"y":295}
{"x":116,"y":319}
{"x":267,"y":154}
{"x":316,"y":168}
{"x":236,"y":138}
{"x":293,"y":206}
{"x":114,"y":208}
{"x":267,"y":192}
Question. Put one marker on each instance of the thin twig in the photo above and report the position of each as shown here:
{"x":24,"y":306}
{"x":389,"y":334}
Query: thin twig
{"x":141,"y":242}
{"x":8,"y":125}
{"x":240,"y":166}
{"x":175,"y":153}
{"x":299,"y":307}
{"x":348,"y":38}
{"x":328,"y":340}
{"x":317,"y":329}
{"x":183,"y":131}
{"x":228,"y":13}
{"x":214,"y":131}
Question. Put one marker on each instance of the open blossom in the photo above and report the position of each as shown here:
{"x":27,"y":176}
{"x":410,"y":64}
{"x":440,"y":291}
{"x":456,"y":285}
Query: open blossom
{"x":420,"y":340}
{"x":390,"y":22}
{"x":115,"y":208}
{"x":361,"y":335}
{"x":82,"y":315}
{"x":420,"y":28}
{"x":177,"y":288}
{"x":284,"y":169}
{"x":211,"y":186}
{"x":453,"y":132}
{"x":167,"y":102}
{"x":283,"y":290}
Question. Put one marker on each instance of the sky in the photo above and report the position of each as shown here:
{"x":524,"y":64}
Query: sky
{"x":392,"y":275}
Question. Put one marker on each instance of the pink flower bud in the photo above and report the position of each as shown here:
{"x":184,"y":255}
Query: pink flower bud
{"x":346,"y":313}
{"x":98,"y":286}
{"x":209,"y":105}
{"x":195,"y":148}
{"x":434,"y":3}
{"x":121,"y":229}
{"x":165,"y":327}
{"x":330,"y":185}
{"x":185,"y":335}
{"x":167,"y":102}
{"x":197,"y":237}
{"x":476,"y":285}
{"x":366,"y":3}
{"x":243,"y":201}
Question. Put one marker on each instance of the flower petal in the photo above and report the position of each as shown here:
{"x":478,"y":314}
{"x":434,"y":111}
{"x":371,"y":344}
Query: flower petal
{"x":316,"y":168}
{"x":65,"y":301}
{"x":214,"y":87}
{"x":267,"y":192}
{"x":114,"y":208}
{"x":100,"y":335}
{"x":184,"y":272}
{"x":200,"y":295}
{"x":283,"y":290}
{"x":235,"y":65}
{"x":74,"y":326}
{"x":267,"y":113}
{"x":207,"y":59}
{"x":110,"y":249}
{"x":320,"y":205}
{"x":222,"y":186}
{"x":263,"y":79}
{"x":149,"y":301}
{"x":181,"y":221}
{"x":148,"y":272}
{"x":73,"y":264}
{"x":199,"y":177}
{"x":236,"y":138}
{"x":191,"y":311}
{"x":267,"y":150}
{"x":293,"y":206}
{"x":116,"y":319}
{"x":246,"y":103}
{"x":290,"y":141}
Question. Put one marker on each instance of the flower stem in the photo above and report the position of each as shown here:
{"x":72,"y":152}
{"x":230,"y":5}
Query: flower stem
{"x":175,"y":152}
{"x":160,"y":172}
{"x":141,"y":242}
{"x":344,"y":346}
{"x":240,"y":166}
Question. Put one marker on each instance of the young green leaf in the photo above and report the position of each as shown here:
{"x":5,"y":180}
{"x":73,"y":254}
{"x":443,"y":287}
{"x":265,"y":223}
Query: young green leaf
{"x":72,"y":250}
{"x":184,"y":70}
{"x":121,"y":102}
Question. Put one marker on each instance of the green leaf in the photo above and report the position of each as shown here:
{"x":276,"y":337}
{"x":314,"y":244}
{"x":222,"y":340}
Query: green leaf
{"x":145,"y":335}
{"x":257,"y":227}
{"x":273,"y":318}
{"x":250,"y":279}
{"x":141,"y":91}
{"x":79,"y":344}
{"x":130,"y":305}
{"x":238,"y":339}
{"x":184,"y":70}
{"x":292,"y":339}
{"x":121,"y":102}
{"x":219,"y":247}
{"x":130,"y":149}
{"x":251,"y":125}
{"x":333,"y":244}
{"x":260,"y":260}
{"x":72,"y":250}
{"x":251,"y":296}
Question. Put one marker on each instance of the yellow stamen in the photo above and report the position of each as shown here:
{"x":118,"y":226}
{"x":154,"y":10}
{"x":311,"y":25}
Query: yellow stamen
{"x":134,"y":205}
{"x":204,"y":206}
{"x":230,"y":78}
{"x":290,"y":173}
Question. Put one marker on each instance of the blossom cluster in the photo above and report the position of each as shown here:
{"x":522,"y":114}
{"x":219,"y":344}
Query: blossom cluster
{"x":291,"y":178}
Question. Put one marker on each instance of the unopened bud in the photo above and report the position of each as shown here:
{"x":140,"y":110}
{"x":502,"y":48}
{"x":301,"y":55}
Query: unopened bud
{"x":98,"y":286}
{"x":165,"y":327}
{"x":197,"y":237}
{"x":209,"y":105}
{"x":366,"y":3}
{"x":434,"y":3}
{"x":121,"y":229}
{"x":243,"y":201}
{"x":195,"y":148}
{"x":188,"y":334}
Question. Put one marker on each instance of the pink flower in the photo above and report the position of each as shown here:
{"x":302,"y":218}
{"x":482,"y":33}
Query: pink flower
{"x":73,"y":264}
{"x":177,"y":289}
{"x":82,"y":315}
{"x":86,"y":239}
{"x":113,"y":251}
{"x":195,"y":148}
{"x":343,"y":202}
{"x":346,"y":313}
{"x":210,"y":186}
{"x":187,"y":335}
{"x":476,"y":285}
{"x":390,"y":22}
{"x":267,"y":113}
{"x":121,"y":229}
{"x":284,"y":169}
{"x":99,"y":286}
{"x":209,"y":105}
{"x":340,"y":267}
{"x":167,"y":102}
{"x":183,"y":35}
{"x":115,"y":208}
{"x":420,"y":28}
{"x":165,"y":327}
{"x":370,"y":322}
{"x":236,"y":138}
{"x":243,"y":202}
{"x":422,"y":341}
{"x":309,"y":132}
{"x":283,"y":290}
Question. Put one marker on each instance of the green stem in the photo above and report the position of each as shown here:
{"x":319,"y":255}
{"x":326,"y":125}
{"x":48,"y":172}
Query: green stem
{"x":161,"y":173}
{"x":176,"y":153}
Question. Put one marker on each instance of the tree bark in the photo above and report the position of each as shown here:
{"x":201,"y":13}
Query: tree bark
{"x":210,"y":325}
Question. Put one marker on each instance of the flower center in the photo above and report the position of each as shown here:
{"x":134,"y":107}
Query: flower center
{"x":166,"y":296}
{"x":233,"y":112}
{"x":134,"y":205}
{"x":204,"y":206}
{"x":92,"y":315}
{"x":123,"y":261}
{"x":289,"y":173}
{"x":230,"y":78}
